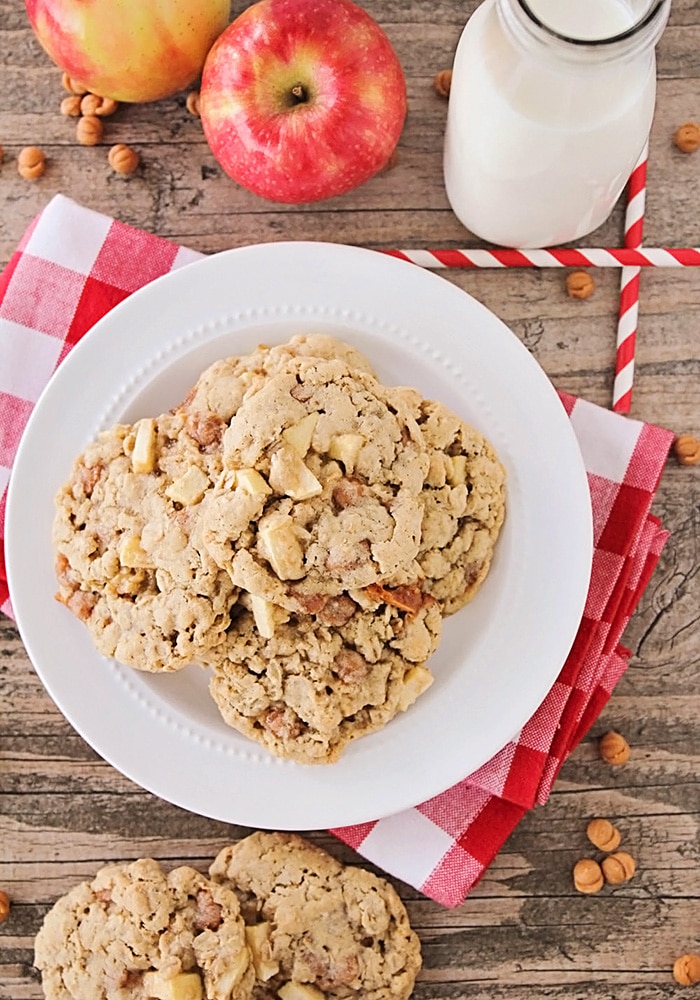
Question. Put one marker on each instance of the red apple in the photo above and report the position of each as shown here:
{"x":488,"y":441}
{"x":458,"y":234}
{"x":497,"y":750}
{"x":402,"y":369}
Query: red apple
{"x":129,"y":50}
{"x":302,"y":99}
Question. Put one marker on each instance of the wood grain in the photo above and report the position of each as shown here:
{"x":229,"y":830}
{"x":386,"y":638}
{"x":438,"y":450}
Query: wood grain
{"x":523,"y":932}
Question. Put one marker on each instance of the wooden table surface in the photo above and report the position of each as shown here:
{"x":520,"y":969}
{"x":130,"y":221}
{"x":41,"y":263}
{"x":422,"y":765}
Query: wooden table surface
{"x":523,"y":932}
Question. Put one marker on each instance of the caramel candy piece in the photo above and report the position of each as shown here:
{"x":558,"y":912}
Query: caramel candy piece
{"x":603,"y":835}
{"x":588,"y":876}
{"x":618,"y":868}
{"x":614,"y":748}
{"x":580,"y":285}
{"x":687,"y":137}
{"x":686,"y":969}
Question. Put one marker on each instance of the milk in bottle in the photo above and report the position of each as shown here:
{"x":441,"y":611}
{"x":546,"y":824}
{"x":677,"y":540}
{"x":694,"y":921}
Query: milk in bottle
{"x":550,"y":106}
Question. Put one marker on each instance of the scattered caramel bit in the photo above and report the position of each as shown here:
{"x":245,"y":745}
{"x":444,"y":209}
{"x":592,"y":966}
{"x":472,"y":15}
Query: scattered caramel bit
{"x":4,"y":906}
{"x":687,"y":137}
{"x":123,"y":159}
{"x":72,"y":86}
{"x":588,"y":876}
{"x":442,"y":82}
{"x":686,"y":969}
{"x":192,"y":103}
{"x":70,"y":106}
{"x":580,"y":285}
{"x":687,"y":449}
{"x":93,"y":104}
{"x":618,"y":867}
{"x":614,"y":748}
{"x":31,"y":162}
{"x":603,"y":835}
{"x":89,"y":130}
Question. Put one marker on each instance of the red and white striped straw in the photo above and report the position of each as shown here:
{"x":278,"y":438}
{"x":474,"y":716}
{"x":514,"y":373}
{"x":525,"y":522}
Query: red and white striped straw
{"x":585,"y":257}
{"x":628,"y":315}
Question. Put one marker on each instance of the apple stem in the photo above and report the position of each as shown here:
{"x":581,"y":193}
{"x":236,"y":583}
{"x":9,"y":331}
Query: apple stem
{"x":299,"y":95}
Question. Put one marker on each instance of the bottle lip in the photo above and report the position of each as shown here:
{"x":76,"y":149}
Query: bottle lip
{"x":655,"y":9}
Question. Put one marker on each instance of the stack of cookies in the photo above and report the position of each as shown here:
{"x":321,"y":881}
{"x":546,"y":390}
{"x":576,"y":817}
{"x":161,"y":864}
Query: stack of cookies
{"x":277,"y":917}
{"x":295,"y":526}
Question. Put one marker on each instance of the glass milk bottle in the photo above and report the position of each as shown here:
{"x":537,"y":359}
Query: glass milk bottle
{"x":550,"y":107}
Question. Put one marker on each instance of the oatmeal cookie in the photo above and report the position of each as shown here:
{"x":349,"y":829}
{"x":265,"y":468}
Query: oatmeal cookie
{"x":128,"y":557}
{"x":464,"y":507}
{"x":135,"y":932}
{"x":328,"y":929}
{"x":323,"y":471}
{"x":316,"y":682}
{"x":220,"y":389}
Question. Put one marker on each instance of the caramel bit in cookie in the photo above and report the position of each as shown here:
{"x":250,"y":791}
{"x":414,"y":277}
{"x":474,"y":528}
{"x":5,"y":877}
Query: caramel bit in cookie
{"x":4,"y":906}
{"x":70,"y":106}
{"x":603,"y":835}
{"x":347,"y":492}
{"x":192,"y":103}
{"x":618,"y":867}
{"x":408,"y":597}
{"x":31,"y":163}
{"x":580,"y":285}
{"x":614,"y":748}
{"x":89,"y":130}
{"x":687,"y":137}
{"x":123,"y":159}
{"x":72,"y":86}
{"x":87,"y":477}
{"x":350,"y":666}
{"x":588,"y":876}
{"x":208,"y":914}
{"x":442,"y":82}
{"x":283,"y":722}
{"x":687,"y":449}
{"x":205,"y":428}
{"x":686,"y":969}
{"x":337,"y":610}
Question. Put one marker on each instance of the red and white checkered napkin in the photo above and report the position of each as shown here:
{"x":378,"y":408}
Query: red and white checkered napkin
{"x":74,"y":264}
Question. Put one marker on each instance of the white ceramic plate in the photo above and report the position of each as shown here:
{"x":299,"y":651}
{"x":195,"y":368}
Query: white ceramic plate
{"x":499,"y":655}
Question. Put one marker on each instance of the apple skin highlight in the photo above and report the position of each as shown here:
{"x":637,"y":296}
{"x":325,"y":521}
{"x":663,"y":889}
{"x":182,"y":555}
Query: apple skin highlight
{"x":302,"y":100}
{"x":129,"y":50}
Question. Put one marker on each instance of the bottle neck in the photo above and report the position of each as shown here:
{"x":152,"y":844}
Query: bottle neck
{"x":543,"y":28}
